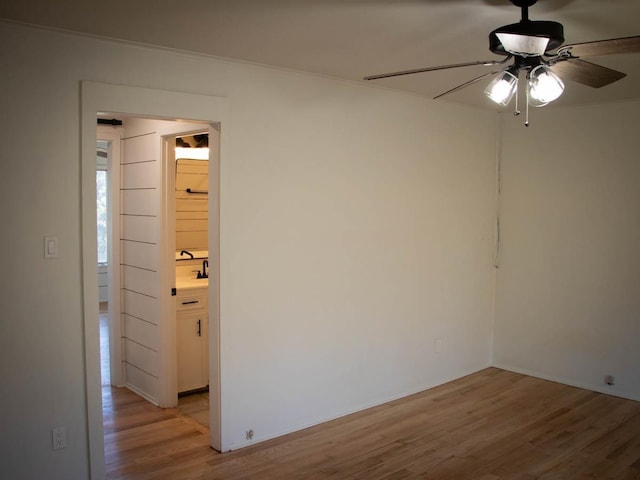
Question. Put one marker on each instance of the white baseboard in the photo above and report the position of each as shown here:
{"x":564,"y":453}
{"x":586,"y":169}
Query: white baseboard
{"x":565,"y":381}
{"x":139,"y":392}
{"x":313,"y":423}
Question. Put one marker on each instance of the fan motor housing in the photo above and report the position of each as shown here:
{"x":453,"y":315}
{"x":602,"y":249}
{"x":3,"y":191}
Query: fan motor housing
{"x":523,"y":3}
{"x":554,"y":31}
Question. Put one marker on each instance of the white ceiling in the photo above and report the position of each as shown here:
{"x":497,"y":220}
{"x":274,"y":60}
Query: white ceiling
{"x":350,"y":39}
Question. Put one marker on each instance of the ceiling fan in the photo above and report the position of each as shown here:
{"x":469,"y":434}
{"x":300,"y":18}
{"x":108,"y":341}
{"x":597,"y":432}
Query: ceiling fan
{"x":535,"y":46}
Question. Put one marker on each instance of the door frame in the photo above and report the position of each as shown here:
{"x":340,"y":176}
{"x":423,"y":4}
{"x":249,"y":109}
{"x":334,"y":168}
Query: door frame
{"x":150,"y":103}
{"x":114,"y":136}
{"x":166,"y":138}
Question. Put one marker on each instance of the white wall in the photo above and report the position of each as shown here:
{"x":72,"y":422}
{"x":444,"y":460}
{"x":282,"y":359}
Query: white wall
{"x":357,"y":227}
{"x":568,"y":303}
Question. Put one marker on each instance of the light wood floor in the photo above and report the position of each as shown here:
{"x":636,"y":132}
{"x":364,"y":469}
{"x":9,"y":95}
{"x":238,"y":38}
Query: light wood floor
{"x":487,"y":426}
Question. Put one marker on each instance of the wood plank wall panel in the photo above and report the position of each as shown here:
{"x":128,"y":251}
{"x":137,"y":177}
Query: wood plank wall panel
{"x":195,"y":224}
{"x":194,"y":181}
{"x":137,"y":175}
{"x":142,"y":383}
{"x":140,"y":197}
{"x":139,"y":149}
{"x":192,"y":240}
{"x":140,"y":202}
{"x":192,"y":215}
{"x":199,"y":212}
{"x":138,"y":229}
{"x":186,"y":206}
{"x":141,"y":306}
{"x":140,"y":280}
{"x":140,"y":254}
{"x":143,"y":357}
{"x":141,"y":331}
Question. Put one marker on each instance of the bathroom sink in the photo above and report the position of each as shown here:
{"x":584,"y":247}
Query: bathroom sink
{"x":191,"y":282}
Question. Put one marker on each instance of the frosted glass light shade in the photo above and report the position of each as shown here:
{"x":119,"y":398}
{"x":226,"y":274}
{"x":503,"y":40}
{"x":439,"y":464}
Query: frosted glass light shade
{"x":544,"y":86}
{"x":523,"y":45}
{"x":502,"y":88}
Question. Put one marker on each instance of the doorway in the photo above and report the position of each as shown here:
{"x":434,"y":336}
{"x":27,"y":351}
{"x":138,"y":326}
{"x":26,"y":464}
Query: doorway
{"x":142,"y":103}
{"x":102,"y":215}
{"x":108,"y":140}
{"x":146,"y":319}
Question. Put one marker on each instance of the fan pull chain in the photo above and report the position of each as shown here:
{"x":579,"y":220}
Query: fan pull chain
{"x":516,"y":112}
{"x":526,"y":119}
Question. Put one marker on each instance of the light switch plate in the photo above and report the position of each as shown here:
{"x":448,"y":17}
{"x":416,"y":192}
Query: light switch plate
{"x":50,"y":246}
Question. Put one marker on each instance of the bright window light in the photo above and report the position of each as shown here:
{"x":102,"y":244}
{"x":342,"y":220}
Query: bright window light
{"x":193,"y":153}
{"x":101,"y":206}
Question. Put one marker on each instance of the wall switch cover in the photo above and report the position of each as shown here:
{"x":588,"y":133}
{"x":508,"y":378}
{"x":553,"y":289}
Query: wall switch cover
{"x":50,"y":247}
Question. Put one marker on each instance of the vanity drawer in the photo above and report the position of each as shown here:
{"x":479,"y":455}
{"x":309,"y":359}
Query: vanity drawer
{"x":193,"y":301}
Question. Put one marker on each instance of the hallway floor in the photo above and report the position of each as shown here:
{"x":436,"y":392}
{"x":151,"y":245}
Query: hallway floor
{"x":138,"y":437}
{"x":194,"y":405}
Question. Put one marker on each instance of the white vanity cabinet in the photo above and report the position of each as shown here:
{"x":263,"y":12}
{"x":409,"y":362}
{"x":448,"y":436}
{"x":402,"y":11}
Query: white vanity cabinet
{"x":192,"y":322}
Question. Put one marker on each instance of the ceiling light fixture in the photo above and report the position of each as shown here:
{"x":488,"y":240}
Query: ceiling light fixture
{"x":523,"y":45}
{"x":536,"y":46}
{"x":544,"y":86}
{"x":502,"y":87}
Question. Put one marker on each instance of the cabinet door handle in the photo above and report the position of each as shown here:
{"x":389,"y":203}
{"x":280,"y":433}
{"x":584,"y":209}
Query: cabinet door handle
{"x":190,"y":302}
{"x":199,"y":328}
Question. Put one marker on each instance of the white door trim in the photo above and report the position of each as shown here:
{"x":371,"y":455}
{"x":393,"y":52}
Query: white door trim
{"x":114,"y":137}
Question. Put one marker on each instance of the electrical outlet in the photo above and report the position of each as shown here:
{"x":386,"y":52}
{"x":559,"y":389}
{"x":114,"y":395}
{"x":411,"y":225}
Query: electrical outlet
{"x":59,"y":437}
{"x":438,"y":345}
{"x":610,"y":380}
{"x":249,"y":434}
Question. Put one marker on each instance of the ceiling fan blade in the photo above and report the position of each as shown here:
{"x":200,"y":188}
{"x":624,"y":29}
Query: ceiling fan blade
{"x":605,"y":47}
{"x":587,"y":73}
{"x":465,"y":84}
{"x":439,"y":67}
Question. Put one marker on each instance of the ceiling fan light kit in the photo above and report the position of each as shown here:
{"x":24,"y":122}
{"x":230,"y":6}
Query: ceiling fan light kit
{"x":523,"y":45}
{"x":544,"y":86}
{"x":536,"y":49}
{"x":502,"y":88}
